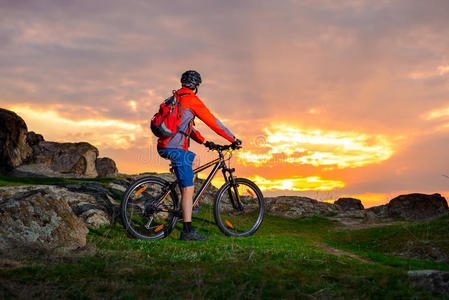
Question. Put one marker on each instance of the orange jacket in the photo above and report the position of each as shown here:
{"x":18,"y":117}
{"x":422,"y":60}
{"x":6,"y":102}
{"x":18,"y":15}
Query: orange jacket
{"x":193,"y":107}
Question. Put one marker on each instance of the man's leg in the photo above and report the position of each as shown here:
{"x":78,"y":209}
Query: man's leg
{"x":187,"y":231}
{"x":184,"y":172}
{"x":186,"y":203}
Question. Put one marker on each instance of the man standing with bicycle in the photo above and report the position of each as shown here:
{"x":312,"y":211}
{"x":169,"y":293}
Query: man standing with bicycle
{"x":176,"y":147}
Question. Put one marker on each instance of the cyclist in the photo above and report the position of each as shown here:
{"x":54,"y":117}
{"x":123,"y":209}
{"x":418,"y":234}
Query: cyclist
{"x":176,"y":148}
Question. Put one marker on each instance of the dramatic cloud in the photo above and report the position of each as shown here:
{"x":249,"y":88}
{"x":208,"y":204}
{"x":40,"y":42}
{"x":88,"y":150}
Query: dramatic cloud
{"x":286,"y":144}
{"x":314,"y":183}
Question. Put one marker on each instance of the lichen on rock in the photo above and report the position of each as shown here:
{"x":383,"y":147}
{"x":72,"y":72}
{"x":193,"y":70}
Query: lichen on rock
{"x":39,"y":216}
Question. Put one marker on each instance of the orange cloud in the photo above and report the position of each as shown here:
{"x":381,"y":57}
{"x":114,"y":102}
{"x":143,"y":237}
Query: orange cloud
{"x":133,"y":105}
{"x":286,"y":144}
{"x":311,"y":183}
{"x":443,"y":69}
{"x":437,"y":113}
{"x":295,"y":183}
{"x":440,"y":70}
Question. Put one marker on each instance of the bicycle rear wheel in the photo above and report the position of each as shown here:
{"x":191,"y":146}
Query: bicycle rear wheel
{"x":239,"y":210}
{"x":145,"y":213}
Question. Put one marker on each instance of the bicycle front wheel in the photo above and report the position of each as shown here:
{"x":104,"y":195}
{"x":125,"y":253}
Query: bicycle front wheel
{"x":239,"y":209}
{"x":147,"y":211}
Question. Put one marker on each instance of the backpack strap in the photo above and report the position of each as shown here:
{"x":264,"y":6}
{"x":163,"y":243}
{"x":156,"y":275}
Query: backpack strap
{"x":179,"y":102}
{"x":190,"y":129}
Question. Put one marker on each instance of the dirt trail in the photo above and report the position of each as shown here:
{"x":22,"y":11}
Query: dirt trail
{"x":331,"y":250}
{"x":352,"y":223}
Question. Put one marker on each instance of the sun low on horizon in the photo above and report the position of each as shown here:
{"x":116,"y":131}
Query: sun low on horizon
{"x":347,"y":100}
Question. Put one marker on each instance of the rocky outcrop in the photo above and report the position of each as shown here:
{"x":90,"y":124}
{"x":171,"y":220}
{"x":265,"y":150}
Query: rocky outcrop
{"x":431,"y":280}
{"x":348,"y":204}
{"x":39,"y":216}
{"x":294,"y":207}
{"x":52,"y":159}
{"x":18,"y":147}
{"x":90,"y":201}
{"x":105,"y":167}
{"x":74,"y":158}
{"x":34,"y":139}
{"x":98,"y":209}
{"x":14,"y":150}
{"x":413,"y":207}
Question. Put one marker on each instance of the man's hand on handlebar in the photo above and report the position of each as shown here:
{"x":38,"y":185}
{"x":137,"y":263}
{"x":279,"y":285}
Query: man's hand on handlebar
{"x":212,"y":146}
{"x":237,"y":144}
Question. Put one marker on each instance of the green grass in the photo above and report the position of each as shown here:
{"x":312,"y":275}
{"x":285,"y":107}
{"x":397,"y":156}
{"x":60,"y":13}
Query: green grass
{"x":384,"y":244}
{"x":279,"y":261}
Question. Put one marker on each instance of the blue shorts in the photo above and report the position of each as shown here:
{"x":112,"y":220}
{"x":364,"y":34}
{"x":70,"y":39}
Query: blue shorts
{"x":181,"y":161}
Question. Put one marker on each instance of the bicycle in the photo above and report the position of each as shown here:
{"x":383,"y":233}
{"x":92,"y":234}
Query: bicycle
{"x":150,"y":207}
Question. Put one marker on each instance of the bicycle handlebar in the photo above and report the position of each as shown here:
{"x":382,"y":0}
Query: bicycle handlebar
{"x":213,"y":146}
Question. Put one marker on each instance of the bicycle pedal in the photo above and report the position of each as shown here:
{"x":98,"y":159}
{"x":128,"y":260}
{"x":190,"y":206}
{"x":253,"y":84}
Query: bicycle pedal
{"x":196,"y":209}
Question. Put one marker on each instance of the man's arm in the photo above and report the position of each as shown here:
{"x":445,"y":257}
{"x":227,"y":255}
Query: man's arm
{"x":202,"y":112}
{"x":196,"y":136}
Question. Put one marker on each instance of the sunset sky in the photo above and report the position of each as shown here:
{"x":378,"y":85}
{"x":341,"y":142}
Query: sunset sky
{"x":330,"y":98}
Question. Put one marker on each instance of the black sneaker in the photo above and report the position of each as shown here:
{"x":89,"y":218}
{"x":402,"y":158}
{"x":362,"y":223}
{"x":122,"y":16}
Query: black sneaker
{"x":192,"y":236}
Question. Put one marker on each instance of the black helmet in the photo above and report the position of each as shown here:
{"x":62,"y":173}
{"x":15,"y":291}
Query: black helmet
{"x":190,"y":79}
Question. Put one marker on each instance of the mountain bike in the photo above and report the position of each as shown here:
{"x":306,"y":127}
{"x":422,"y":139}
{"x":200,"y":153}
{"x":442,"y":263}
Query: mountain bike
{"x":150,"y":207}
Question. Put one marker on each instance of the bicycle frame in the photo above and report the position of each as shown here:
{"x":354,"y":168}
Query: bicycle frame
{"x":218,"y":163}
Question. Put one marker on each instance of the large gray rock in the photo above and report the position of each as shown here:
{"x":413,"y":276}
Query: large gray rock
{"x":105,"y":167}
{"x":431,"y":280}
{"x":100,"y":209}
{"x":90,"y":201}
{"x":14,"y":150}
{"x":294,"y":207}
{"x":33,"y":138}
{"x":40,"y":170}
{"x":413,"y":207}
{"x":39,"y":216}
{"x":348,"y":204}
{"x":73,"y":158}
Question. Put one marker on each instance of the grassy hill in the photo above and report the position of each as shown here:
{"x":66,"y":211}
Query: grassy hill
{"x":282,"y":260}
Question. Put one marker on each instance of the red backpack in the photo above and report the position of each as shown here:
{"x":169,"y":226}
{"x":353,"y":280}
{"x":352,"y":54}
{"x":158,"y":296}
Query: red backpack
{"x":166,"y":121}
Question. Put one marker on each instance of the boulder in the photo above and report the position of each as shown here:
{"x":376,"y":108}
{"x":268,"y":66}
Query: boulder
{"x":99,"y":209}
{"x":119,"y":186}
{"x":40,"y":170}
{"x":14,"y":150}
{"x":105,"y":167}
{"x":34,"y":138}
{"x":431,"y":280}
{"x":355,"y":219}
{"x":348,"y":204}
{"x":418,"y":206}
{"x":414,"y":207}
{"x":73,"y":158}
{"x":380,"y":210}
{"x":39,"y":216}
{"x":295,"y":206}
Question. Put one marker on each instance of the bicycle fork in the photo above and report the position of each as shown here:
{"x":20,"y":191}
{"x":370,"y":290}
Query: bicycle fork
{"x":234,"y":197}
